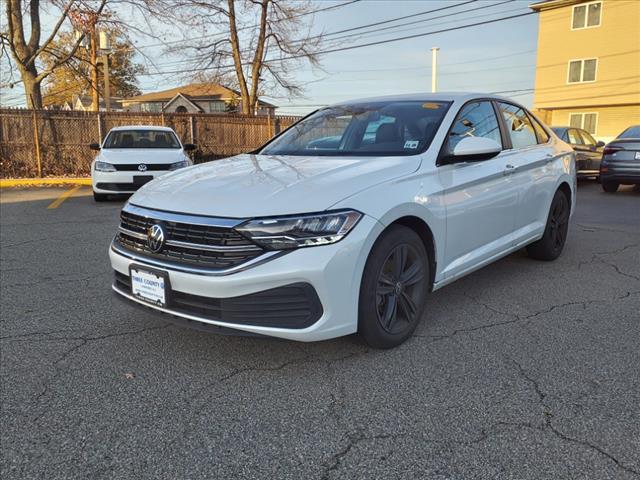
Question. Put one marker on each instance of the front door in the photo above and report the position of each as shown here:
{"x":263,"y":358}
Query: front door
{"x":479,"y":197}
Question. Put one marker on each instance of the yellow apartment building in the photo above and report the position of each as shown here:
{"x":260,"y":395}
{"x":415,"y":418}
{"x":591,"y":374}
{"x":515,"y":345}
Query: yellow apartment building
{"x":588,"y":65}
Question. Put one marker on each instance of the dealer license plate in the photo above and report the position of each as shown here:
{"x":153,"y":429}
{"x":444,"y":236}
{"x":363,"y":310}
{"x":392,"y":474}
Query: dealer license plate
{"x":149,"y":286}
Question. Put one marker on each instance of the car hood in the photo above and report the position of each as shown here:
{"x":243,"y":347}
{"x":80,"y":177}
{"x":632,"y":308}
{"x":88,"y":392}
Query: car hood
{"x":263,"y":185}
{"x":141,"y":155}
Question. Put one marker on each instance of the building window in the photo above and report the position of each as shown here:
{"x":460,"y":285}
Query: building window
{"x":581,"y":71}
{"x":587,"y":15}
{"x":585,"y":121}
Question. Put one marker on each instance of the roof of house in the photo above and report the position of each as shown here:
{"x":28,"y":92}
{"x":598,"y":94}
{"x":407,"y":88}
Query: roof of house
{"x":549,"y":4}
{"x":86,"y":101}
{"x":193,"y":91}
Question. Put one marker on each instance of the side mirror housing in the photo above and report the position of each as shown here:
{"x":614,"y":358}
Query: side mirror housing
{"x":94,"y":146}
{"x":188,"y":147}
{"x":600,"y":144}
{"x":474,"y":149}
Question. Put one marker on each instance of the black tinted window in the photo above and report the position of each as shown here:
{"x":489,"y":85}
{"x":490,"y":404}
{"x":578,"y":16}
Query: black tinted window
{"x":518,"y":125}
{"x":631,"y":132}
{"x":476,"y":119}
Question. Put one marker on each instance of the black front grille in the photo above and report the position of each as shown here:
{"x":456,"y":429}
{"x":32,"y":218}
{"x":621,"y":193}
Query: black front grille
{"x":131,"y":167}
{"x":202,"y":246}
{"x":291,"y":306}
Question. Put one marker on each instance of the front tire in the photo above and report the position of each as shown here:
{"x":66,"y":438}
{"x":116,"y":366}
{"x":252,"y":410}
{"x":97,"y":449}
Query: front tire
{"x":550,"y":246}
{"x":394,"y":288}
{"x":610,"y":187}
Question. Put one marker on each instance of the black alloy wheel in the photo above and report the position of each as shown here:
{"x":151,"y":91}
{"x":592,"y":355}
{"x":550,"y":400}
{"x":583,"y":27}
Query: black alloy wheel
{"x":394,"y":288}
{"x":550,"y":246}
{"x":400,"y":289}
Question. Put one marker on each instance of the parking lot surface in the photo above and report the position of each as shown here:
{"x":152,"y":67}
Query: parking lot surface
{"x":522,"y":370}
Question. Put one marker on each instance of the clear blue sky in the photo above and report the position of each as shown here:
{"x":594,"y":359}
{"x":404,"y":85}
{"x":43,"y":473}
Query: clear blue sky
{"x":491,"y":58}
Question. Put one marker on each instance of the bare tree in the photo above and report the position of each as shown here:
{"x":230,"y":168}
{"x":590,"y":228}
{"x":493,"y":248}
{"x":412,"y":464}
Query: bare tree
{"x":260,"y":41}
{"x":26,"y":53}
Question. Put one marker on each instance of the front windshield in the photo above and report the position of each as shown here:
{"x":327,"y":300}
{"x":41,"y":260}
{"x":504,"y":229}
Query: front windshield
{"x":374,"y":128}
{"x":141,"y":139}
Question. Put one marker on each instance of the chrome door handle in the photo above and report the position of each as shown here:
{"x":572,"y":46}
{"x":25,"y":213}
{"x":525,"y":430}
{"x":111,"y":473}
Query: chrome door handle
{"x":508,"y":169}
{"x":549,"y":158}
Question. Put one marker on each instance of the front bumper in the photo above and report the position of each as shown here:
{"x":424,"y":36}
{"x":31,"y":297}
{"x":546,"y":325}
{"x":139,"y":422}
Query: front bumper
{"x":333,"y":271}
{"x":121,"y":181}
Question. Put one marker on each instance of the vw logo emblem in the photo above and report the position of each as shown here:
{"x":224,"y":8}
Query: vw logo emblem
{"x":142,"y":167}
{"x":155,"y":237}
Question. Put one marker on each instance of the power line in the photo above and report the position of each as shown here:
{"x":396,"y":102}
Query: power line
{"x":377,"y":32}
{"x":323,"y":9}
{"x":354,"y":47}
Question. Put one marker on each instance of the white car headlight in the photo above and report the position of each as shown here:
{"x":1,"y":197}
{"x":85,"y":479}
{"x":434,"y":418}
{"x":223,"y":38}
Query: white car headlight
{"x":177,"y":165}
{"x":104,"y":167}
{"x":300,"y":230}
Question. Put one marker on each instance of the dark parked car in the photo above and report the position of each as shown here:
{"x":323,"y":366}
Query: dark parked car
{"x":588,"y":151}
{"x":621,"y":161}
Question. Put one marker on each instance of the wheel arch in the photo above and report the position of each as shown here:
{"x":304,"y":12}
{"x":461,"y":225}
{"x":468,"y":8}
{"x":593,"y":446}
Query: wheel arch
{"x":425,"y":233}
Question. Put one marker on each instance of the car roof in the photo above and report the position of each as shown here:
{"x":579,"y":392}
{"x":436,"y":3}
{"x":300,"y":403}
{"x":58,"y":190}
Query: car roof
{"x":428,"y":96}
{"x":142,"y":127}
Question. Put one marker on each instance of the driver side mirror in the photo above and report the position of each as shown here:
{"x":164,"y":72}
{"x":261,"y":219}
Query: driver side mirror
{"x":188,"y":147}
{"x":600,"y":144}
{"x":94,"y":146}
{"x":474,"y":149}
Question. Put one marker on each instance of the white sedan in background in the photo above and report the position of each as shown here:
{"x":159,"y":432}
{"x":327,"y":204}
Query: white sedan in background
{"x":347,"y":220}
{"x":132,"y":156}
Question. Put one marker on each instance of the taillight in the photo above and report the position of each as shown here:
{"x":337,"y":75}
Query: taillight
{"x":609,"y":150}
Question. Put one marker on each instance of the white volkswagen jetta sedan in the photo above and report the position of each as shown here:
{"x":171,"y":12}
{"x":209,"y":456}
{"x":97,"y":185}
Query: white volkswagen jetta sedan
{"x":347,"y":220}
{"x":132,"y":156}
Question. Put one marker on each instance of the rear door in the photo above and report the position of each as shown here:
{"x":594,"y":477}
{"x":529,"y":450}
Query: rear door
{"x":479,"y":198}
{"x":530,"y":162}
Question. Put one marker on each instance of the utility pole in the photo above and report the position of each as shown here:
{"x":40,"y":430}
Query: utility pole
{"x":434,"y":69}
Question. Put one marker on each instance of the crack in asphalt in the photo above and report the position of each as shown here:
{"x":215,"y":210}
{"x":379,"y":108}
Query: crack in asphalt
{"x":67,"y":353}
{"x":548,"y":421}
{"x":517,"y":318}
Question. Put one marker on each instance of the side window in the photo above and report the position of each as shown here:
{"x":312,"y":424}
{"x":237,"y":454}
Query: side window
{"x":518,"y":125}
{"x":574,"y":137}
{"x":476,"y":119}
{"x":541,"y":133}
{"x":587,"y":138}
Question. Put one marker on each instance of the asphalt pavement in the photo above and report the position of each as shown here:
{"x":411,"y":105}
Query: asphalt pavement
{"x":522,"y":370}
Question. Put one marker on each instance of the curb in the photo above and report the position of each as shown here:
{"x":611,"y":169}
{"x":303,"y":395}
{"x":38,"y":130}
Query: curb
{"x":34,"y":182}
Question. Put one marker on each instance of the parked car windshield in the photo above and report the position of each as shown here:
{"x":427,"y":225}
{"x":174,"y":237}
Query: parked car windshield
{"x":141,"y":139}
{"x":631,"y":132}
{"x":367,"y":129}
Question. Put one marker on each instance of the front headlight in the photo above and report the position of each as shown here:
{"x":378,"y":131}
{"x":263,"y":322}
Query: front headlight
{"x":104,"y":167}
{"x":301,"y":230}
{"x":177,"y":165}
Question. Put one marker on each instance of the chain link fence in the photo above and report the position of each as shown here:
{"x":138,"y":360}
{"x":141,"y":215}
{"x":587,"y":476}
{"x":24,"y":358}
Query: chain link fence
{"x":45,"y":143}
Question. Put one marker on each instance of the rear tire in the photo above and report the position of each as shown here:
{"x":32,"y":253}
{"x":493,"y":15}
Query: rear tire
{"x":394,"y":288}
{"x":610,"y":187}
{"x":100,"y":197}
{"x":550,"y":246}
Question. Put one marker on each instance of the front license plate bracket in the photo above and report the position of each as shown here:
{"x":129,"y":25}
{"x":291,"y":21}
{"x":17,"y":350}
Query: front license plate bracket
{"x":150,"y":285}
